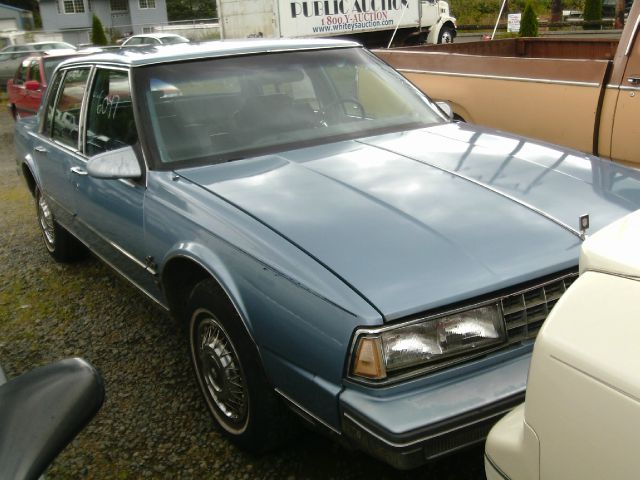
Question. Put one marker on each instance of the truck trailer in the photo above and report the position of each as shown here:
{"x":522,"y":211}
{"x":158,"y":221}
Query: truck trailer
{"x":374,"y":23}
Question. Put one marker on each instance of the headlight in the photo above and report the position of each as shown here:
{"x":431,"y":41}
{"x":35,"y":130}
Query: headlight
{"x":383,"y":352}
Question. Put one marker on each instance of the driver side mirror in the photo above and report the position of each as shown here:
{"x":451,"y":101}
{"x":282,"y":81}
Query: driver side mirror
{"x":115,"y":164}
{"x":446,"y":109}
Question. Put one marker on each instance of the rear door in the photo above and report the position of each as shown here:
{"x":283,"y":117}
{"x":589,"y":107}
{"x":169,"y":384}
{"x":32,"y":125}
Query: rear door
{"x":56,"y":147}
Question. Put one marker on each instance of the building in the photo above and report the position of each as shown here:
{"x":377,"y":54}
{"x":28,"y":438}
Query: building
{"x":12,"y":18}
{"x":73,"y":18}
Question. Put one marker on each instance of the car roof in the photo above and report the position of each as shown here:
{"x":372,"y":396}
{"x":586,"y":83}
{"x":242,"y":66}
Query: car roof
{"x":149,"y":55}
{"x":156,"y":35}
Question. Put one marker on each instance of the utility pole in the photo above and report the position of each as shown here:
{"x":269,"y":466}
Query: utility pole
{"x":619,"y":21}
{"x":556,"y":11}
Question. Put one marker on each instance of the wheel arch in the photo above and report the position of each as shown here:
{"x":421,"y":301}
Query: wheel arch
{"x":459,"y":112}
{"x":29,"y":178}
{"x":434,"y":32}
{"x":181,"y":273}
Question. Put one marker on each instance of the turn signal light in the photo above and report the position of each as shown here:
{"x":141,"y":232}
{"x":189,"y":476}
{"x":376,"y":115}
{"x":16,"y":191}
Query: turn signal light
{"x":368,"y":362}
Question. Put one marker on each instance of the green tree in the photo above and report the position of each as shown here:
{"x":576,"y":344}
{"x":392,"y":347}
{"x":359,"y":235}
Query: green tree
{"x":592,"y":14}
{"x":529,"y":22}
{"x":97,"y":33}
{"x":190,"y":9}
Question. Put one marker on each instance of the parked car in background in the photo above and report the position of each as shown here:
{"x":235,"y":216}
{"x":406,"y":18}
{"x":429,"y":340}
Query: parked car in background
{"x":154,"y":39}
{"x":11,"y":56}
{"x":581,"y":417}
{"x":30,"y":80}
{"x":331,"y":240}
{"x":37,"y":46}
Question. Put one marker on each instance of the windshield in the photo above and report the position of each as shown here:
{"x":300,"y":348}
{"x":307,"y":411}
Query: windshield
{"x":222,"y":109}
{"x":173,"y":40}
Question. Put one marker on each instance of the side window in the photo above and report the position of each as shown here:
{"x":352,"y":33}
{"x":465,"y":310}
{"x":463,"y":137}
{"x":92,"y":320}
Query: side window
{"x":50,"y":108}
{"x":34,"y":70}
{"x":110,"y":122}
{"x":66,"y":117}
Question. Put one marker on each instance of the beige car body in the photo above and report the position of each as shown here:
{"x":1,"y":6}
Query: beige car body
{"x":581,"y":417}
{"x":583,"y":94}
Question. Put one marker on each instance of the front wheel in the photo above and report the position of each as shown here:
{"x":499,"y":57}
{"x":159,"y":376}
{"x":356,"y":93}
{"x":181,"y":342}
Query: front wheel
{"x":446,"y":35}
{"x":60,"y":244}
{"x":230,"y":375}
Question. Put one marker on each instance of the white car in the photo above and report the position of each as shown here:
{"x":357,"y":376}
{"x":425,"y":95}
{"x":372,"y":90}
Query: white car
{"x":154,"y":39}
{"x":581,"y":416}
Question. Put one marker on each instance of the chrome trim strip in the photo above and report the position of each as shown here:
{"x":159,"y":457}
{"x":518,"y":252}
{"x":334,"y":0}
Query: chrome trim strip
{"x":497,"y":469}
{"x":82,"y":124}
{"x":633,"y":37}
{"x":124,"y":252}
{"x":307,"y":412}
{"x":500,"y":77}
{"x":126,"y":277}
{"x":427,"y":437}
{"x":540,"y":212}
{"x":611,"y":86}
{"x":211,"y":55}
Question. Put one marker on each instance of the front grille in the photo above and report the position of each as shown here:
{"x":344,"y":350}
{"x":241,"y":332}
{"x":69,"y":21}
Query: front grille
{"x":525,"y":311}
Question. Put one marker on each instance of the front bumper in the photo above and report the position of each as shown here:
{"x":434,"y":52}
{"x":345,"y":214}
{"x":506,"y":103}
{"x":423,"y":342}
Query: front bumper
{"x":409,"y":427}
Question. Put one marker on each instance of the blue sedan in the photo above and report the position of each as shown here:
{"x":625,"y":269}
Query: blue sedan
{"x":334,"y":244}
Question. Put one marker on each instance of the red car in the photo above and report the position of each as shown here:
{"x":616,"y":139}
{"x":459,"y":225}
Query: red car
{"x":27,"y":86}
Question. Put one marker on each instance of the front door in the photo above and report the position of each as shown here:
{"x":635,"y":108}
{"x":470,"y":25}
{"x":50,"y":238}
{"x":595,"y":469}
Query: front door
{"x":110,"y":212}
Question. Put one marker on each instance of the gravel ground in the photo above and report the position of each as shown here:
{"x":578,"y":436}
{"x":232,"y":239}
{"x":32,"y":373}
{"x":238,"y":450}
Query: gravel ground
{"x":153,"y":423}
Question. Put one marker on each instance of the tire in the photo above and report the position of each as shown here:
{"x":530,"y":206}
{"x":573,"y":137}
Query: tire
{"x":14,"y":113}
{"x":446,"y":35}
{"x":60,"y":244}
{"x":230,"y":375}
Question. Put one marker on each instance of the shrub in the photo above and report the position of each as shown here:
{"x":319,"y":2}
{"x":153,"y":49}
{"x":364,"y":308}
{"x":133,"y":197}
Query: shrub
{"x":592,"y":14}
{"x":97,"y":33}
{"x":529,"y":22}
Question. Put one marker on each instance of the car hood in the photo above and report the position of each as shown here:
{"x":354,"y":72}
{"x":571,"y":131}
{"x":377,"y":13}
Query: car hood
{"x":423,"y":218}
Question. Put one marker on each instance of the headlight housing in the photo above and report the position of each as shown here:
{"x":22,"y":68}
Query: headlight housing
{"x":425,"y":343}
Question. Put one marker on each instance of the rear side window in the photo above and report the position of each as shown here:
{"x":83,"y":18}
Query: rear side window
{"x":50,"y":108}
{"x":66,"y":113}
{"x":110,"y":122}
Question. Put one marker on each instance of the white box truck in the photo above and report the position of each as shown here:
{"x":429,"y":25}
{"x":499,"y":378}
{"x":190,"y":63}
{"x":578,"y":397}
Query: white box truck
{"x":371,"y":22}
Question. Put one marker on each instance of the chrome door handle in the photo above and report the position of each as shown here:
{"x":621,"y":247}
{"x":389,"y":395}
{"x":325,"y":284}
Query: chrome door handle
{"x":40,"y":149}
{"x":78,"y":171}
{"x":633,"y":79}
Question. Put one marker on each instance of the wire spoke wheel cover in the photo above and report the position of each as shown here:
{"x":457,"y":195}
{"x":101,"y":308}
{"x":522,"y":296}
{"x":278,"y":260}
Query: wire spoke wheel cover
{"x":219,"y":371}
{"x":46,"y":222}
